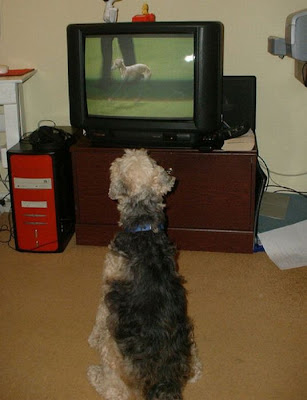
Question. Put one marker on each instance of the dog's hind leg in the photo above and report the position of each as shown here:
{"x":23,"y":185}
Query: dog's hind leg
{"x":107,"y":383}
{"x":119,"y":91}
{"x":99,"y":332}
{"x":196,"y":365}
{"x":114,"y":267}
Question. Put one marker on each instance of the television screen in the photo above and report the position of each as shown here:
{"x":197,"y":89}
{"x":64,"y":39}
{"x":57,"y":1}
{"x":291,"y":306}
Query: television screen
{"x":141,"y":76}
{"x":146,"y":83}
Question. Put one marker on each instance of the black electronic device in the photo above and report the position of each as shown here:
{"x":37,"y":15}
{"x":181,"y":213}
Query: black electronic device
{"x":238,"y":111}
{"x":49,"y":138}
{"x":239,"y":104}
{"x":174,"y":99}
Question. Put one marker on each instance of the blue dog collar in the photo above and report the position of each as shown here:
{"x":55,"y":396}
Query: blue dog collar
{"x":144,"y":228}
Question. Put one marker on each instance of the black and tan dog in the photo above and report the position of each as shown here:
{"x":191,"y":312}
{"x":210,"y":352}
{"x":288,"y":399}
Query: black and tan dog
{"x":142,"y":331}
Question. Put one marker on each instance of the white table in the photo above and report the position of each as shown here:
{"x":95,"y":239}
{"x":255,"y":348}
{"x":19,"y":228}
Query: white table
{"x":11,"y":99}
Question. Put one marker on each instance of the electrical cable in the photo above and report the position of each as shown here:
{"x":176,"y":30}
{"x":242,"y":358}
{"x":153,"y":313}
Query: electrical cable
{"x":282,"y":188}
{"x":8,"y":228}
{"x":5,"y":181}
{"x":289,"y":175}
{"x":6,"y":185}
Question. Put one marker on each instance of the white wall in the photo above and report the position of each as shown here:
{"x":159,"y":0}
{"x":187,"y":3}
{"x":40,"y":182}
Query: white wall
{"x":33,"y":34}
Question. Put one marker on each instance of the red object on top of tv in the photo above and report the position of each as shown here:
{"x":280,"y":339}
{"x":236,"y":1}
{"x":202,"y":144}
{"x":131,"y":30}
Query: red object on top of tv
{"x":144,"y":18}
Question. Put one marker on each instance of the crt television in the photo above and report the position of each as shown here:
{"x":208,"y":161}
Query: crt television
{"x":146,"y":84}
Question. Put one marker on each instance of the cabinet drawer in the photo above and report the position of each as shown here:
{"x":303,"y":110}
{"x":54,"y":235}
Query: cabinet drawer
{"x":213,"y":191}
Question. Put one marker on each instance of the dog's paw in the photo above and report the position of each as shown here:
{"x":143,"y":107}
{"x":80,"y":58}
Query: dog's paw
{"x":196,"y":366}
{"x":197,"y":370}
{"x":196,"y":377}
{"x":107,"y":383}
{"x":93,"y":340}
{"x":94,"y":374}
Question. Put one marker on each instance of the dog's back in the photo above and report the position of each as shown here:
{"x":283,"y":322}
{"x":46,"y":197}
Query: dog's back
{"x":149,"y":315}
{"x":142,"y":330}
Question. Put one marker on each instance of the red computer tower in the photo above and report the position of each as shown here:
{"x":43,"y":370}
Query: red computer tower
{"x":41,"y":197}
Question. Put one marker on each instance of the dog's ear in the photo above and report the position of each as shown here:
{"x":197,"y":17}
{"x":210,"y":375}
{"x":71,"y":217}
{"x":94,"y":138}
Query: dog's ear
{"x":162,"y":181}
{"x":117,"y":188}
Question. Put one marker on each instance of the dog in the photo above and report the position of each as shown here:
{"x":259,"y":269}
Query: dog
{"x":135,"y":72}
{"x":142,"y":331}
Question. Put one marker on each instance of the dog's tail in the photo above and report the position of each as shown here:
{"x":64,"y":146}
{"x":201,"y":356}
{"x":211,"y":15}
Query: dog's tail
{"x":164,"y":391}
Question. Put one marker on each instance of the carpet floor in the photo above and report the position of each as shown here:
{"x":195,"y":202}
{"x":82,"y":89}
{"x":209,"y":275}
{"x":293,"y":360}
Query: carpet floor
{"x":250,"y":324}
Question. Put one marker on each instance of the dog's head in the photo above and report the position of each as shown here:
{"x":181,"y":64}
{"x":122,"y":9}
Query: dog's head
{"x":137,"y":175}
{"x":118,"y":63}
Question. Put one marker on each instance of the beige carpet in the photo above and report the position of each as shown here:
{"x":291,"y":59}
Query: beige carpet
{"x":250,"y":321}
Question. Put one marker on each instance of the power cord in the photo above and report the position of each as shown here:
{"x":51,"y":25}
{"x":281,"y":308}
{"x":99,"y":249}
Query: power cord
{"x":7,"y":228}
{"x":5,"y":183}
{"x":279,"y":187}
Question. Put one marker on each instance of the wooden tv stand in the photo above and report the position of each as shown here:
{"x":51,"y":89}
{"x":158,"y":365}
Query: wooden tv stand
{"x":212,"y":207}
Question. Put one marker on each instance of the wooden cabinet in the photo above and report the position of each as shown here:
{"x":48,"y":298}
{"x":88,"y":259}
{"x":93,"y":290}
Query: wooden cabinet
{"x":212,"y":207}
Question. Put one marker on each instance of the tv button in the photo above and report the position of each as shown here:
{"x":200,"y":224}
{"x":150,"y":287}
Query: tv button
{"x":170,"y":137}
{"x":184,"y":137}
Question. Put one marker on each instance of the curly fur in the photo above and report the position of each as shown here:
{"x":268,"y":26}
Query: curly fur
{"x":142,"y":331}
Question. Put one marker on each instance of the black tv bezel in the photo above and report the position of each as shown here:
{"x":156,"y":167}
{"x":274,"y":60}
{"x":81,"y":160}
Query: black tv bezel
{"x":208,"y":43}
